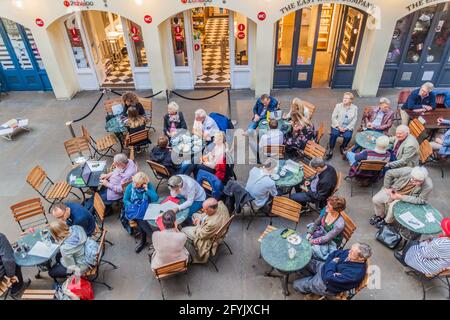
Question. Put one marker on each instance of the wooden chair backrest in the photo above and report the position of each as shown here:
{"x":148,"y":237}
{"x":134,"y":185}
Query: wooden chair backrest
{"x":416,"y":128}
{"x":349,"y":229}
{"x":308,"y":171}
{"x":339,"y":182}
{"x":146,"y":103}
{"x":320,"y":132}
{"x":75,"y":146}
{"x":159,"y":169}
{"x":313,"y":150}
{"x":99,"y":206}
{"x":36,"y":177}
{"x":170,"y":269}
{"x":132,"y":154}
{"x":111,"y":102}
{"x":371,"y":165}
{"x":440,"y":100}
{"x":425,"y":151}
{"x":286,"y":208}
{"x":311,"y":108}
{"x":139,"y":136}
{"x":219,"y":234}
{"x":27,"y":209}
{"x":403,"y":96}
{"x":101,"y":250}
{"x":274,"y":151}
{"x":86,"y":135}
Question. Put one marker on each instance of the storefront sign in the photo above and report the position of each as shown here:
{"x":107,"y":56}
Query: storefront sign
{"x":177,"y":29}
{"x":241,"y":27}
{"x":136,"y":38}
{"x":75,"y":36}
{"x":418,"y":4}
{"x":134,"y":30}
{"x":294,"y":6}
{"x":148,"y":19}
{"x":39,"y":22}
{"x":241,"y":35}
{"x":262,"y":16}
{"x":195,"y":1}
{"x":196,"y":47}
{"x":86,"y":4}
{"x":179,"y":37}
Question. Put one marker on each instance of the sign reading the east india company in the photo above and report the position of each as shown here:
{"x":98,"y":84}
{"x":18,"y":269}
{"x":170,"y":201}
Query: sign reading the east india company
{"x":421,"y":3}
{"x":293,"y":6}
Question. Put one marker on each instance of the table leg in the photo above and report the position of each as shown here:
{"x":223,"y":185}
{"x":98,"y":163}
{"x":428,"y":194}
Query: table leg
{"x":284,"y":283}
{"x":269,"y":273}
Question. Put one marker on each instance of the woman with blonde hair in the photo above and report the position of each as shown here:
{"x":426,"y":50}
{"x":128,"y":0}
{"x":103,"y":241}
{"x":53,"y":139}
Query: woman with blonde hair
{"x":173,"y":120}
{"x":130,"y":99}
{"x":135,"y":122}
{"x":72,"y":255}
{"x":138,"y":195}
{"x":296,"y":139}
{"x":298,"y":106}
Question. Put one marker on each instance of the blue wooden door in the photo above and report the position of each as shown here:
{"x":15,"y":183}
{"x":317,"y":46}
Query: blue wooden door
{"x":21,"y":67}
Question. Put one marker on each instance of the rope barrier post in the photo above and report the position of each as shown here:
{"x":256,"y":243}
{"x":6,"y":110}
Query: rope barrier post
{"x":69,"y":125}
{"x":229,"y":103}
{"x":167,"y":96}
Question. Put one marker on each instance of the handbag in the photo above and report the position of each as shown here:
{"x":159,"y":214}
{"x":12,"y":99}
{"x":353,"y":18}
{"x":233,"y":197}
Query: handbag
{"x":136,"y":211}
{"x":388,"y":236}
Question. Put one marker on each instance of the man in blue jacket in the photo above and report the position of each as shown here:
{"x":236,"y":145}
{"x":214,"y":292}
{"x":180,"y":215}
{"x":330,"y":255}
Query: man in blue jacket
{"x":75,"y":214}
{"x":343,"y":270}
{"x":263,"y":104}
{"x":420,"y":100}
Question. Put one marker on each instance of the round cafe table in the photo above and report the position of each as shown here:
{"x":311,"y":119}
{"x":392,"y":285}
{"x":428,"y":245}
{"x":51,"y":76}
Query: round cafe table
{"x":117,"y":126}
{"x":366,"y":139}
{"x":420,"y":213}
{"x":274,"y":250}
{"x":283,"y":125}
{"x":181,"y":215}
{"x":79,"y":182}
{"x":291,"y":179}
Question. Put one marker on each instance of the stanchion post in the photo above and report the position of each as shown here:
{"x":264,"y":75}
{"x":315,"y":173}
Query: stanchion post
{"x":167,"y":96}
{"x":229,"y":103}
{"x":69,"y":125}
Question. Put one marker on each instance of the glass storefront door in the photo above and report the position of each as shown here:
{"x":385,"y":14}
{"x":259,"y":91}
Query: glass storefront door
{"x":21,"y":67}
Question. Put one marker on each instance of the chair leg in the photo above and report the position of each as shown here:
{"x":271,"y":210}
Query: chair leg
{"x":252,"y":216}
{"x":228,"y":247}
{"x":187,"y":284}
{"x":103,"y":283}
{"x":213,"y":263}
{"x":75,"y":195}
{"x":162,"y":292}
{"x":109,"y":242}
{"x":110,"y":263}
{"x":424,"y":290}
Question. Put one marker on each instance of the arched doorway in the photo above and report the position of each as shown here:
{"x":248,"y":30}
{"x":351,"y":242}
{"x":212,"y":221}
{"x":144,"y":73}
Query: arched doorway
{"x":318,"y":47}
{"x":108,"y":51}
{"x":210,"y":47}
{"x":420,"y":49}
{"x":21,"y":67}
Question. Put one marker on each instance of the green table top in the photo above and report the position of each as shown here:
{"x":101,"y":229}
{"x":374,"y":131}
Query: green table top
{"x":181,"y":215}
{"x":115,"y":125}
{"x":290,"y":179}
{"x":30,"y":239}
{"x":366,"y":139}
{"x":264,"y":125}
{"x":274,"y":250}
{"x":419,"y":212}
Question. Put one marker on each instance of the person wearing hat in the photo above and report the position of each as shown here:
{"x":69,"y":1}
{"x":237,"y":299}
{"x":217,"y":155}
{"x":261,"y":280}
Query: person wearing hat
{"x":431,"y":256}
{"x":407,"y":184}
{"x":380,"y":153}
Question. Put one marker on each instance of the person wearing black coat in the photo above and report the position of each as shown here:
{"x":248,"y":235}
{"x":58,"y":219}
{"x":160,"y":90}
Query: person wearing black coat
{"x":163,"y":155}
{"x":173,"y":120}
{"x":130,"y":99}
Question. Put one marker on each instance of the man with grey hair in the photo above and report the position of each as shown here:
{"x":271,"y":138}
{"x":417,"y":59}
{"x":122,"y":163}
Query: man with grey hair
{"x":406,"y":149}
{"x":407,"y":184}
{"x":321,"y":186}
{"x":260,"y":185}
{"x":204,"y":125}
{"x":420,"y":100}
{"x":378,"y":118}
{"x":342,"y":271}
{"x":187,"y":188}
{"x":111,"y":183}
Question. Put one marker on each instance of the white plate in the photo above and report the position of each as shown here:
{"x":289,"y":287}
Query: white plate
{"x":294,"y":239}
{"x":275,"y":177}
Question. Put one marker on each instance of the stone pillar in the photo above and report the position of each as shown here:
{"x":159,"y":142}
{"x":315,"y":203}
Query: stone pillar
{"x":263,"y":71}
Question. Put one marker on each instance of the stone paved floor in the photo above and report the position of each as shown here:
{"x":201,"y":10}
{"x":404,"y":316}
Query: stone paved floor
{"x":241,"y":275}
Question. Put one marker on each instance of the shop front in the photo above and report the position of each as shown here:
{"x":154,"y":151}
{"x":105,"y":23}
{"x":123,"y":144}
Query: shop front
{"x":21,"y":67}
{"x":318,"y":47}
{"x":419,"y":50}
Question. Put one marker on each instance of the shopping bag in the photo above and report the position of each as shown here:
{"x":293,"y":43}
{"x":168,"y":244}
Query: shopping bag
{"x":80,"y":287}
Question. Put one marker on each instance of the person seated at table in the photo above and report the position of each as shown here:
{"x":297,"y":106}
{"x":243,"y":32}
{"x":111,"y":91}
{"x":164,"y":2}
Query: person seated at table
{"x":72,"y":256}
{"x":215,"y":215}
{"x":378,"y":118}
{"x":260,"y":185}
{"x":296,"y":139}
{"x":111,"y":183}
{"x":139,"y":193}
{"x":130,"y":99}
{"x":298,"y":106}
{"x":168,"y":245}
{"x":213,"y":161}
{"x":135,"y":122}
{"x":380,"y":153}
{"x":420,"y":100}
{"x":204,"y":125}
{"x":441,"y":142}
{"x":325,"y":233}
{"x":343,"y":122}
{"x":263,"y":105}
{"x":183,"y":186}
{"x":343,"y":270}
{"x":406,"y":149}
{"x":74,"y":214}
{"x":320,"y":187}
{"x":162,"y":154}
{"x":173,"y":120}
{"x":9,"y":268}
{"x":273,"y":137}
{"x":411,"y":185}
{"x":430,"y":257}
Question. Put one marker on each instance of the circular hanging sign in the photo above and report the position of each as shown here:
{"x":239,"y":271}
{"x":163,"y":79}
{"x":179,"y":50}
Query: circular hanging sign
{"x":136,"y":38}
{"x":241,"y":27}
{"x":183,"y":1}
{"x":177,"y":29}
{"x":134,"y":30}
{"x":76,"y":39}
{"x":196,"y":47}
{"x":179,"y":37}
{"x":39,"y":22}
{"x":148,"y":19}
{"x":262,"y":16}
{"x":67,"y":3}
{"x":241,"y":35}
